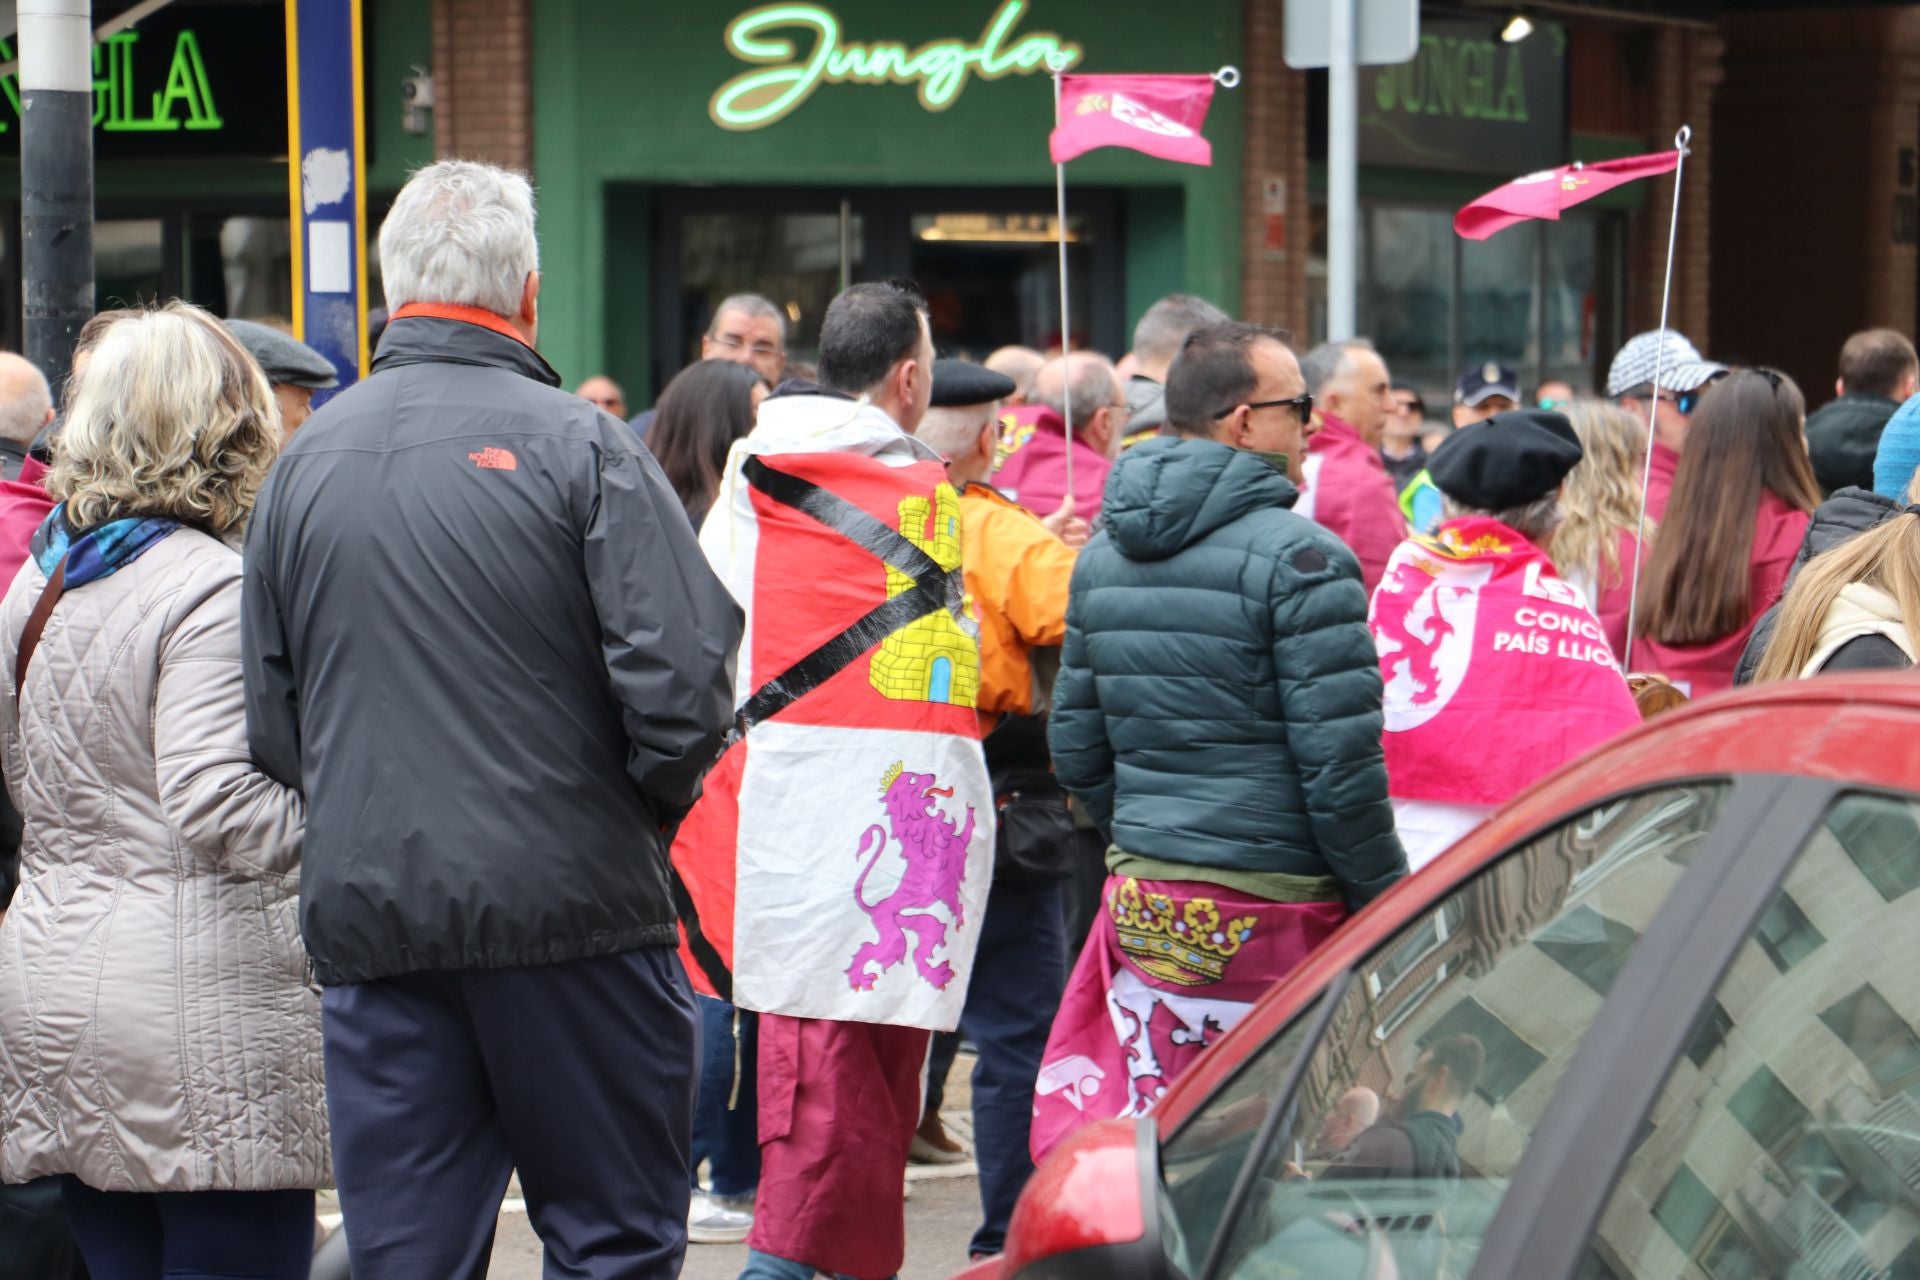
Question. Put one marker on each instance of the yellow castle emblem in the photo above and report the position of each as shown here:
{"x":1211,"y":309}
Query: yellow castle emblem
{"x":932,"y":658}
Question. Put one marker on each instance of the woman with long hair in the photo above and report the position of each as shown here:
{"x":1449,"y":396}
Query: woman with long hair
{"x":1853,"y":608}
{"x":161,"y":1033}
{"x":1739,"y":509}
{"x":703,"y":411}
{"x":1596,"y":542}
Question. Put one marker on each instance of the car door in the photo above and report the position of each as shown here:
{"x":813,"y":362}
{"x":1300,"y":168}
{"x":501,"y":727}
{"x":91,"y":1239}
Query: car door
{"x":1443,"y":1053}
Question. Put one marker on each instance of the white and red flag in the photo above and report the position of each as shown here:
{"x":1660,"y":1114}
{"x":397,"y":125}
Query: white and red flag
{"x":1497,"y":672}
{"x":1546,"y":193}
{"x":837,"y":863}
{"x":1158,"y":115}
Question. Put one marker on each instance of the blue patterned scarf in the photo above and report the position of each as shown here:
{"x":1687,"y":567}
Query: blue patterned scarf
{"x":100,"y":550}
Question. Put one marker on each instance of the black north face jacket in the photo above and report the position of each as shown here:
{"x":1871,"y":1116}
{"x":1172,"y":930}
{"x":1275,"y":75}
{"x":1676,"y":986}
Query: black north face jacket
{"x":481,"y":638}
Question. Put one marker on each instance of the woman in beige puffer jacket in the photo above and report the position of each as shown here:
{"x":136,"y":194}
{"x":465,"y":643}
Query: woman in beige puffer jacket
{"x":159,"y":1031}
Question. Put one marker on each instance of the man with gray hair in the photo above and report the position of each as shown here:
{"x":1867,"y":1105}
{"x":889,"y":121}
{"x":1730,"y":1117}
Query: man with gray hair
{"x":481,"y":640}
{"x":1346,"y":489}
{"x":746,"y":329}
{"x":1035,"y":472}
{"x":1157,"y":340}
{"x":26,"y":407}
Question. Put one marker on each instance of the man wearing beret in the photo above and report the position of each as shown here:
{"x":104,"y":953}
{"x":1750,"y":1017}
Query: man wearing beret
{"x":1016,"y":568}
{"x":294,"y":369}
{"x":1482,"y":642}
{"x":1218,"y":709}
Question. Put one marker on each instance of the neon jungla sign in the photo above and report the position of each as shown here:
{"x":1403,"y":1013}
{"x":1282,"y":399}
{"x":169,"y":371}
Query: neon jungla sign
{"x":773,"y":36}
{"x":184,"y":102}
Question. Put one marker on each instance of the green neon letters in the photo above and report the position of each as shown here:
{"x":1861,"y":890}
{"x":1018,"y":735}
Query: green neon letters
{"x":186,"y":101}
{"x":755,"y":99}
{"x":1454,"y":77}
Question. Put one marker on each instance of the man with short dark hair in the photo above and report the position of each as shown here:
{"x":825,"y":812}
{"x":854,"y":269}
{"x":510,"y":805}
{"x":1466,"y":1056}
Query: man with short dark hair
{"x":1345,"y":487}
{"x":1878,"y":370}
{"x":856,"y":756}
{"x":1218,"y":708}
{"x":1157,"y":339}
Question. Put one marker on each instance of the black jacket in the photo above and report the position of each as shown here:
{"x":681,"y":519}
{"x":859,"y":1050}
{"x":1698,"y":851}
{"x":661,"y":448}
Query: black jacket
{"x":1842,"y":437}
{"x":1839,"y":519}
{"x":481,"y":638}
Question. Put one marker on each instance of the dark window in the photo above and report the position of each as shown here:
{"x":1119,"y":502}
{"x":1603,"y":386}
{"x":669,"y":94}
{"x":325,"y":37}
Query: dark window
{"x":1709,"y":1035}
{"x":1589,"y":946}
{"x":1510,"y":1060}
{"x":1882,"y":839}
{"x":1768,"y":1110}
{"x":1878,"y":1036}
{"x":1786,"y":935}
{"x":1685,"y":1208}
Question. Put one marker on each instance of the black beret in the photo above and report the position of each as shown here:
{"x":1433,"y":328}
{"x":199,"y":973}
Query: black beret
{"x":1509,"y":460}
{"x":962,"y":382}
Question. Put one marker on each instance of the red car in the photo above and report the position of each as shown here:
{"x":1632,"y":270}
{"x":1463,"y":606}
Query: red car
{"x":1658,"y":1019}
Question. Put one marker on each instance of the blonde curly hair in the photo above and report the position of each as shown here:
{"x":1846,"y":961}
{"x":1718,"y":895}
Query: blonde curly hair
{"x":172,"y":418}
{"x":1602,"y":496}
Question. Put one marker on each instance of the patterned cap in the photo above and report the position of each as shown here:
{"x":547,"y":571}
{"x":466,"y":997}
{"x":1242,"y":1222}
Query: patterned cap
{"x":1680,"y":364}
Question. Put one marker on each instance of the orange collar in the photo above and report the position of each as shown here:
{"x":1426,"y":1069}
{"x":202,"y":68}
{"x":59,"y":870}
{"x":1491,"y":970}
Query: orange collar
{"x":455,"y":311}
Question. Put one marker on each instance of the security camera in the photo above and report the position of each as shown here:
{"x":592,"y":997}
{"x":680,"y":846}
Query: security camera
{"x":416,"y":94}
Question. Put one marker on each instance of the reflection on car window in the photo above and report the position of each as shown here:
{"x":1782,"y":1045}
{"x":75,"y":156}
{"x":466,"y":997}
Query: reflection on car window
{"x":1791,"y":1145}
{"x":1440,"y":1060}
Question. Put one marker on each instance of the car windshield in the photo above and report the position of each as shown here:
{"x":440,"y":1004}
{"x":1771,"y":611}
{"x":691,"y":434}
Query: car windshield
{"x":1420,"y":1097}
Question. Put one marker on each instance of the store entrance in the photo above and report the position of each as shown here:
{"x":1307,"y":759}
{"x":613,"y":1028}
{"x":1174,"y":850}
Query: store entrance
{"x":987,"y":260}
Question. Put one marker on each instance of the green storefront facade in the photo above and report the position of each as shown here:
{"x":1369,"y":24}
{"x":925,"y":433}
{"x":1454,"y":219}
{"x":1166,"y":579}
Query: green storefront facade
{"x":649,"y":204}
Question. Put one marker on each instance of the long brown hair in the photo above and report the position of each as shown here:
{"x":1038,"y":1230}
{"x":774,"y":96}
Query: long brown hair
{"x":1748,"y":436}
{"x":1886,"y":556}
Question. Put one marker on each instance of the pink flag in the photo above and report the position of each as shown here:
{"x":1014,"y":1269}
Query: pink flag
{"x":1546,"y":193}
{"x":1496,"y":671}
{"x":1158,"y":115}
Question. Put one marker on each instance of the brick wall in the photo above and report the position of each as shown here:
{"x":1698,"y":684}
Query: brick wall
{"x":1273,"y":288}
{"x":483,"y":81}
{"x":1682,"y":78}
{"x":1816,"y":109}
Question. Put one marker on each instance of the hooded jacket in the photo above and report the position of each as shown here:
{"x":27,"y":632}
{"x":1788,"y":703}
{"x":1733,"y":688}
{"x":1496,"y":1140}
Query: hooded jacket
{"x":1839,"y":519}
{"x":1842,"y":437}
{"x":482,"y":640}
{"x":1219,"y":698}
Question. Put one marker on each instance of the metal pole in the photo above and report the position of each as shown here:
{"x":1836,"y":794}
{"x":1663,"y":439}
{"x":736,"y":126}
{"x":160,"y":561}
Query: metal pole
{"x":56,"y":179}
{"x":1066,"y":326}
{"x":1343,"y":198}
{"x":1680,"y":141}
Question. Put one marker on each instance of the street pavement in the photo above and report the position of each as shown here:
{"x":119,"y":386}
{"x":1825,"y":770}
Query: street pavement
{"x":941,"y":1214}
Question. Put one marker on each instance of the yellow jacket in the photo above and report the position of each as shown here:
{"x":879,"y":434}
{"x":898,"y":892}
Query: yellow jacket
{"x":1017,"y":574}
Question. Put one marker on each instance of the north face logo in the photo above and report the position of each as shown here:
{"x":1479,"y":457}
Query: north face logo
{"x":492,"y":459}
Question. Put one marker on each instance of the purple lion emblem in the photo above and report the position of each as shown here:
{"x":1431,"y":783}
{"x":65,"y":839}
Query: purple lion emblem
{"x":936,"y":857}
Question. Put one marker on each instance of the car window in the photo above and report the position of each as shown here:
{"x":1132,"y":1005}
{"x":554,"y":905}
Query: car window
{"x":1791,"y":1147}
{"x":1438,"y":1062}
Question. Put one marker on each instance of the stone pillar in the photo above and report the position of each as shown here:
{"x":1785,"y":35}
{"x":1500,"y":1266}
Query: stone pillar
{"x":1273,"y":288}
{"x":483,"y":81}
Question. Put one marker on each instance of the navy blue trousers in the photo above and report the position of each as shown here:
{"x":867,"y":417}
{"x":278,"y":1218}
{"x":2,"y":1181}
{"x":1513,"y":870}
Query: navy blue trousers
{"x":191,"y":1235}
{"x":1018,"y":975}
{"x":579,"y":1075}
{"x":726,"y":1111}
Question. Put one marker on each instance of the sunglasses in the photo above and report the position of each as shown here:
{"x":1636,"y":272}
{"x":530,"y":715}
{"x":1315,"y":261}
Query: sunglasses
{"x":1302,"y":408}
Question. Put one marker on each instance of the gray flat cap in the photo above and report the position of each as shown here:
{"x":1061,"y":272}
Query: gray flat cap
{"x":287,"y":360}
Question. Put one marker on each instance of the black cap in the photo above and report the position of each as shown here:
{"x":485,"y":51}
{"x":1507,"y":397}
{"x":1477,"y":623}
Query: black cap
{"x":1509,"y":460}
{"x":1484,"y":382}
{"x":962,"y":382}
{"x":286,"y":360}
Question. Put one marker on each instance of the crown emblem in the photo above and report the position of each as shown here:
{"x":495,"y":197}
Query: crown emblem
{"x":1189,"y":946}
{"x":888,"y":778}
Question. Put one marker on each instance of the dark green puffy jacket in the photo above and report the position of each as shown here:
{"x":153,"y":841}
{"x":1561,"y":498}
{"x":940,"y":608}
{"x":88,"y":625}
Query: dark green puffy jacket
{"x":1219,"y":695}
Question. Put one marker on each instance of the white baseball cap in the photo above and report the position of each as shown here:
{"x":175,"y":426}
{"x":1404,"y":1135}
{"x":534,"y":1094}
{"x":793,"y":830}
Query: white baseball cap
{"x":1680,"y":365}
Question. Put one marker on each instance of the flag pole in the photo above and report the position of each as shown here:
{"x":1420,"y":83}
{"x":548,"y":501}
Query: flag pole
{"x":1680,"y":141}
{"x":1058,"y":63}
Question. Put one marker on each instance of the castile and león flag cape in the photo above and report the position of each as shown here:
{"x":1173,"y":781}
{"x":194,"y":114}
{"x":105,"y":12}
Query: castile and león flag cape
{"x":1157,"y":115}
{"x":1496,"y":670}
{"x":838,"y":861}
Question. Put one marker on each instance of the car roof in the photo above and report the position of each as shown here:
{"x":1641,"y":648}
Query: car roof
{"x":1862,"y":729}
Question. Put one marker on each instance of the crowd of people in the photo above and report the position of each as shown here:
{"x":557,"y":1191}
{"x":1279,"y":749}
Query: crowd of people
{"x":462,"y":779}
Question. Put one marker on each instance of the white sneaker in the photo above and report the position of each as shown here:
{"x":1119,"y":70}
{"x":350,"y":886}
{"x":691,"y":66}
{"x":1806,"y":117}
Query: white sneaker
{"x":718,"y":1219}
